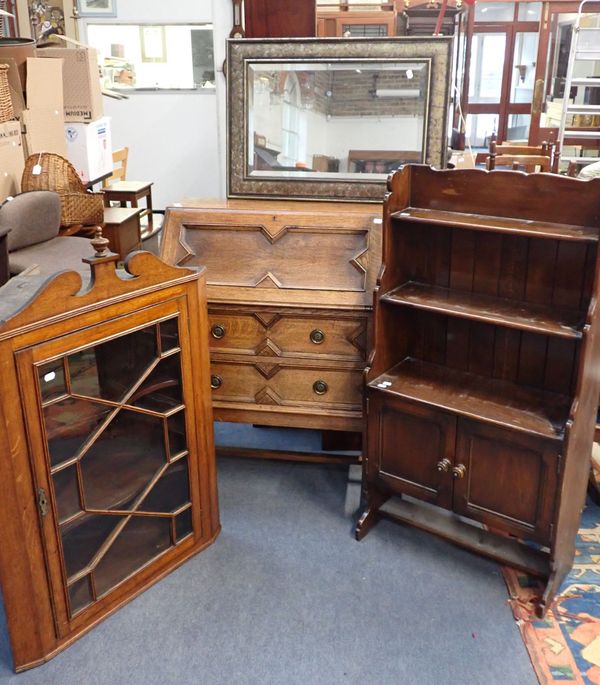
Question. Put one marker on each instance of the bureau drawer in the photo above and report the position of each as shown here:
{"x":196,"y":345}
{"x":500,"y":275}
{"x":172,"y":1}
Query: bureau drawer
{"x":271,"y":334}
{"x":276,"y":384}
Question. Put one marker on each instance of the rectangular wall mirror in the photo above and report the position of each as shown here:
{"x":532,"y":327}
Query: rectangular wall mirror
{"x":331,"y":118}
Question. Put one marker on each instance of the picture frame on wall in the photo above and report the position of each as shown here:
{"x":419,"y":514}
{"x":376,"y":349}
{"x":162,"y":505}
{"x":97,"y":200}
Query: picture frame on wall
{"x":46,"y":19}
{"x":97,"y":8}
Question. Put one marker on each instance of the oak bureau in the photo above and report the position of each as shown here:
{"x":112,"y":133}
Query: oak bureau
{"x":289,"y":292}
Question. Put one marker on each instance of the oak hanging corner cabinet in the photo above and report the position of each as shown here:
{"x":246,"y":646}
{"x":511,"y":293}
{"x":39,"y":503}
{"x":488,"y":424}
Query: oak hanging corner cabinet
{"x":482,"y":388}
{"x":106,"y":445}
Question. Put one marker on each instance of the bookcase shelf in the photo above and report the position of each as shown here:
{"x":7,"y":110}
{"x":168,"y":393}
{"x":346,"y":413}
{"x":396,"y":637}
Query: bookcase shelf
{"x":481,"y":222}
{"x":480,"y":394}
{"x":559,"y":321}
{"x":488,"y":399}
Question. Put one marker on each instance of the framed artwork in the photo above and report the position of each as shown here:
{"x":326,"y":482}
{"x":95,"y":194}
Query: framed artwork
{"x":153,"y":43}
{"x":97,"y":8}
{"x":46,"y":18}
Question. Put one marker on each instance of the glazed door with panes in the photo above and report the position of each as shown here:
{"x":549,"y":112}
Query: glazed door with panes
{"x":501,"y":60}
{"x":117,"y":492}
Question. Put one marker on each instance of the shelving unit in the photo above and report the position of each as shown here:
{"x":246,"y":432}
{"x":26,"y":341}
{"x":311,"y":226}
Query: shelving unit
{"x":584,"y":52}
{"x":480,"y":396}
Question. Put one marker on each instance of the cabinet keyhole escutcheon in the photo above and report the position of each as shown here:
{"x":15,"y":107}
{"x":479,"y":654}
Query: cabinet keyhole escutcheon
{"x":42,"y":502}
{"x":215,"y":381}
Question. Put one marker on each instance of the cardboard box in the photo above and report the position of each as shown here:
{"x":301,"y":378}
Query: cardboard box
{"x":89,"y":148}
{"x":45,"y":84}
{"x":44,"y":131}
{"x":81,"y":82}
{"x":12,"y":159}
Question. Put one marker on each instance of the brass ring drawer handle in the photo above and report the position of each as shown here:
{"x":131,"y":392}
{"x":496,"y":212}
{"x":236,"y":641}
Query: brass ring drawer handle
{"x":317,"y":336}
{"x":320,"y":387}
{"x":459,"y":471}
{"x":218,"y":331}
{"x":215,"y":381}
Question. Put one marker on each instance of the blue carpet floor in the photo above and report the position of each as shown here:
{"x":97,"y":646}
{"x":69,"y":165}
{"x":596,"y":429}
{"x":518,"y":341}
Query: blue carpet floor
{"x":286,"y":596}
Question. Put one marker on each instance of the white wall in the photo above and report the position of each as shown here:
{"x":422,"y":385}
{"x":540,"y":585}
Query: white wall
{"x":176,"y":140}
{"x":369,"y":133}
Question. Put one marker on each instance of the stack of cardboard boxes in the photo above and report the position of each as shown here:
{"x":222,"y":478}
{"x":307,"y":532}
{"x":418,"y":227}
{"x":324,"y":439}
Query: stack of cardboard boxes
{"x":61,"y":112}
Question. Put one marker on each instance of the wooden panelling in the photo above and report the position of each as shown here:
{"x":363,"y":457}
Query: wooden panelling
{"x":510,"y":480}
{"x":404,"y":428}
{"x":276,"y":19}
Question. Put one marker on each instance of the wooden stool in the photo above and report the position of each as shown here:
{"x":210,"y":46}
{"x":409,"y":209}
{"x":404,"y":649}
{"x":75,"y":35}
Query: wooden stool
{"x":130,"y":192}
{"x":122,"y":228}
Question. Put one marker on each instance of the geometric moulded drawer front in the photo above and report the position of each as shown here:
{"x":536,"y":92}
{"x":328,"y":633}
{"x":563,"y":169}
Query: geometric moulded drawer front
{"x":313,"y":258}
{"x":114,"y":422}
{"x":268,"y":333}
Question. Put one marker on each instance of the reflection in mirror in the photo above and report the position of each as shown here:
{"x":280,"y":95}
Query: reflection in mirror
{"x":321,"y":119}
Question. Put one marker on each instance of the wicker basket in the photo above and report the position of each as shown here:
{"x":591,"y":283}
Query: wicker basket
{"x":6,"y":109}
{"x":78,"y":205}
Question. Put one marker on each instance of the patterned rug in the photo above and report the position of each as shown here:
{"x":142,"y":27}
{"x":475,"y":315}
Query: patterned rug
{"x":564,"y":647}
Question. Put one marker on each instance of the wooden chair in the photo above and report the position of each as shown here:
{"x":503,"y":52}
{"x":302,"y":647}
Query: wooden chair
{"x":522,"y":157}
{"x":513,"y":156}
{"x":119,"y":167}
{"x":529,"y":163}
{"x":117,"y":189}
{"x":551,"y":150}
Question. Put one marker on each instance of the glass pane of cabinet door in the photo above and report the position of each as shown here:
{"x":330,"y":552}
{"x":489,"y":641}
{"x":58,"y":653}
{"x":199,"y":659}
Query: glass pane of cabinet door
{"x":115,"y":472}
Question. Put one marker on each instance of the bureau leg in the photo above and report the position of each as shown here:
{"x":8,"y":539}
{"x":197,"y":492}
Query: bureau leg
{"x":370,"y":516}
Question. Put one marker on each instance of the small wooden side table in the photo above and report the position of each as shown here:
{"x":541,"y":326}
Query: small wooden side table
{"x":130,"y":192}
{"x":4,"y":272}
{"x":122,"y":228}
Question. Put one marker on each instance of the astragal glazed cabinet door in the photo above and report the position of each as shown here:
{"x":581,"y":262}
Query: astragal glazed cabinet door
{"x":111,"y":457}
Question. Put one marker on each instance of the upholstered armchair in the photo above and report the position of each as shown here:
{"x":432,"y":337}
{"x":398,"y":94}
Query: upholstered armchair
{"x":34,"y":222}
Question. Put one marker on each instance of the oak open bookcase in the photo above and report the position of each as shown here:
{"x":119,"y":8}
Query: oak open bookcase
{"x":482,"y":389}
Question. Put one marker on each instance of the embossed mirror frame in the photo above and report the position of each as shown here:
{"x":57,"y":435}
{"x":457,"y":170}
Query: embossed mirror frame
{"x":241,"y":52}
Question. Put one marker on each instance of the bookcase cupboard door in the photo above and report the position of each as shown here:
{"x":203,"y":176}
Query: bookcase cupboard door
{"x":414,"y":448}
{"x":508,"y":481}
{"x":114,"y":457}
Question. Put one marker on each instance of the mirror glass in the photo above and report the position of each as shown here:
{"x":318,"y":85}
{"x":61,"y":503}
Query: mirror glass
{"x":331,"y":119}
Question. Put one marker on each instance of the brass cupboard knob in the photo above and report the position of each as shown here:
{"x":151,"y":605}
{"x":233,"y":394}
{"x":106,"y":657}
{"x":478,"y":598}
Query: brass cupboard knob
{"x":218,"y":331}
{"x":215,"y":381}
{"x":317,"y":336}
{"x":444,"y":465}
{"x":459,"y":471}
{"x":320,"y":387}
